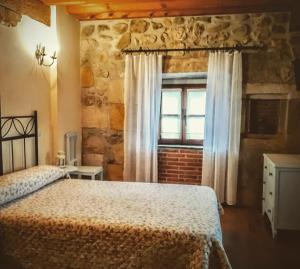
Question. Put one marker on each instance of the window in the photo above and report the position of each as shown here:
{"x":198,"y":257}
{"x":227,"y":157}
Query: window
{"x":182,"y":114}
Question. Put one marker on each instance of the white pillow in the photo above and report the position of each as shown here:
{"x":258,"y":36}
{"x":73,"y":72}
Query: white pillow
{"x":18,"y":184}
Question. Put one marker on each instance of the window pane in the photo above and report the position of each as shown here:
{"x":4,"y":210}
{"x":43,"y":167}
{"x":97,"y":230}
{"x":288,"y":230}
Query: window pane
{"x":171,"y":102}
{"x":171,"y":127}
{"x":195,"y":128}
{"x":195,"y":102}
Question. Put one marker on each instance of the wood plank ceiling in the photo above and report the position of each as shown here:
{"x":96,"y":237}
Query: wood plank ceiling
{"x":116,"y":9}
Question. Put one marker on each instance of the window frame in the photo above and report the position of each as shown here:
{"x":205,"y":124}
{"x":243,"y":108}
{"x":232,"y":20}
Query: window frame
{"x":184,"y":90}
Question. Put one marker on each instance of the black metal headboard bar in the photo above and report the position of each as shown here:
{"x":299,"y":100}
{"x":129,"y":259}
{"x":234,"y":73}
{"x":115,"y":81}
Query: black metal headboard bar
{"x":17,"y":117}
{"x":12,"y":128}
{"x":1,"y":159}
{"x":17,"y":137}
{"x":36,"y":140}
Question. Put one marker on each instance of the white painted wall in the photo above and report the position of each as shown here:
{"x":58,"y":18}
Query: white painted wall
{"x":68,"y":79}
{"x":54,"y":92}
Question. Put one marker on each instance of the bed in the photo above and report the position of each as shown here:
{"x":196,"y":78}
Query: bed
{"x":49,"y":222}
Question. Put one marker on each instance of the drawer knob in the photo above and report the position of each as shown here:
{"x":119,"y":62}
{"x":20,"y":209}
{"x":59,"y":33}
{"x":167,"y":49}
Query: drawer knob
{"x":264,"y":182}
{"x":269,"y":210}
{"x":270,"y":193}
{"x":265,"y":167}
{"x":270,"y":174}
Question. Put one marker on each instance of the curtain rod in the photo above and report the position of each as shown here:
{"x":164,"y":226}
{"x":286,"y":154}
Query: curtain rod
{"x":238,"y":48}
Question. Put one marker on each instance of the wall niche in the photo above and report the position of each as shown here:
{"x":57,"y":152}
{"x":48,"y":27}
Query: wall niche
{"x":265,"y":116}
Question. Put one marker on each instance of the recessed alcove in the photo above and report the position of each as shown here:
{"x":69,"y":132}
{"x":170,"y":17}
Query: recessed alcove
{"x":265,"y":115}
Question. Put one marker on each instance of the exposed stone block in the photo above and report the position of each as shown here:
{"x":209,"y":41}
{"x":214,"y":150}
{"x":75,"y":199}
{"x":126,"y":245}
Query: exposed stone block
{"x":157,"y":25}
{"x":266,"y":68}
{"x":198,"y":30}
{"x":124,"y":41}
{"x":179,"y":20}
{"x":95,"y":118}
{"x":102,"y":27}
{"x":121,"y":27}
{"x":116,"y":115}
{"x":118,"y":153}
{"x":240,"y":17}
{"x":139,"y":26}
{"x":102,"y":72}
{"x":87,"y":77}
{"x":92,"y":159}
{"x":93,"y":141}
{"x":115,"y":93}
{"x":114,"y":172}
{"x":179,"y":33}
{"x":88,"y":30}
{"x":215,"y":28}
{"x":241,"y":33}
{"x":114,"y":137}
{"x":146,"y":40}
{"x":106,"y":37}
{"x":203,"y":19}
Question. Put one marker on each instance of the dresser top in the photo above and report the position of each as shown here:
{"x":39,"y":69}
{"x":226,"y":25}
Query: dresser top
{"x":284,"y":160}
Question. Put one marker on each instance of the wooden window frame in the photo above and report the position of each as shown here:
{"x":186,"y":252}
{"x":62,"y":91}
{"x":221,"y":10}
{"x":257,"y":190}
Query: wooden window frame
{"x":183,"y":141}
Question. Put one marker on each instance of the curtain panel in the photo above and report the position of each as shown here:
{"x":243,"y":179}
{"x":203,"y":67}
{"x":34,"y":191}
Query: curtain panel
{"x":223,"y":124}
{"x":143,"y":79}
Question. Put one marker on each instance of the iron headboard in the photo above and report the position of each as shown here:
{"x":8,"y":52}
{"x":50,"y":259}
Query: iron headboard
{"x":16,"y":128}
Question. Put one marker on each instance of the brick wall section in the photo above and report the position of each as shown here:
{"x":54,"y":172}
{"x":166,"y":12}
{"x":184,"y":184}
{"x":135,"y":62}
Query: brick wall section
{"x":179,"y":165}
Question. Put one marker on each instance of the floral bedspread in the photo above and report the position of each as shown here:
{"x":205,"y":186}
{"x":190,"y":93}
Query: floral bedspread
{"x":18,"y":184}
{"x":95,"y":224}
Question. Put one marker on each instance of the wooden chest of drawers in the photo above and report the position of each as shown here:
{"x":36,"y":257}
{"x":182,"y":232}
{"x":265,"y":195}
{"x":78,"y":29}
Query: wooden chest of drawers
{"x":281,"y":191}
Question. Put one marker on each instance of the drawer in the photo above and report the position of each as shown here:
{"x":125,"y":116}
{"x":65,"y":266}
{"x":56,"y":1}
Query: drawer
{"x":265,"y":169}
{"x":265,"y":179}
{"x":270,"y":198}
{"x":271,"y":170}
{"x":263,"y":206}
{"x":270,"y":179}
{"x":269,"y":211}
{"x":264,"y":191}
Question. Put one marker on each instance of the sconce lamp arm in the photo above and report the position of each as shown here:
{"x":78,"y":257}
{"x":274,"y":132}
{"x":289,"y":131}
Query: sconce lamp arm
{"x":40,"y":54}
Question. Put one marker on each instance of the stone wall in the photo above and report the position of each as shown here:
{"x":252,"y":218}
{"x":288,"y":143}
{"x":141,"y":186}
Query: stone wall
{"x":102,"y":73}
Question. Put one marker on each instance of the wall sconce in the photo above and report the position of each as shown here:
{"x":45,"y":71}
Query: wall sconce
{"x":40,"y":54}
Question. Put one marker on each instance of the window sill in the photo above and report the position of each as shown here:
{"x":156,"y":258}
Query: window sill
{"x":181,"y":146}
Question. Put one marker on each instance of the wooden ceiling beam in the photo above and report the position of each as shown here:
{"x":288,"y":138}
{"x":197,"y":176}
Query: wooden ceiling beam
{"x":170,"y":13}
{"x":168,"y":6}
{"x":126,"y":2}
{"x":64,"y":3}
{"x":117,"y":9}
{"x":35,"y":9}
{"x":137,"y":6}
{"x":195,"y":2}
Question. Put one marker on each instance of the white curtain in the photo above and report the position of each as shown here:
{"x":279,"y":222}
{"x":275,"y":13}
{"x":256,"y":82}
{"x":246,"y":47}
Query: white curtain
{"x":223,"y":124}
{"x":143,"y":79}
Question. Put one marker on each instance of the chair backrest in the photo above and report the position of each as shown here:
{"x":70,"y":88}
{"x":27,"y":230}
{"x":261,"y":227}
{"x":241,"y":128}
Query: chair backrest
{"x":70,"y":144}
